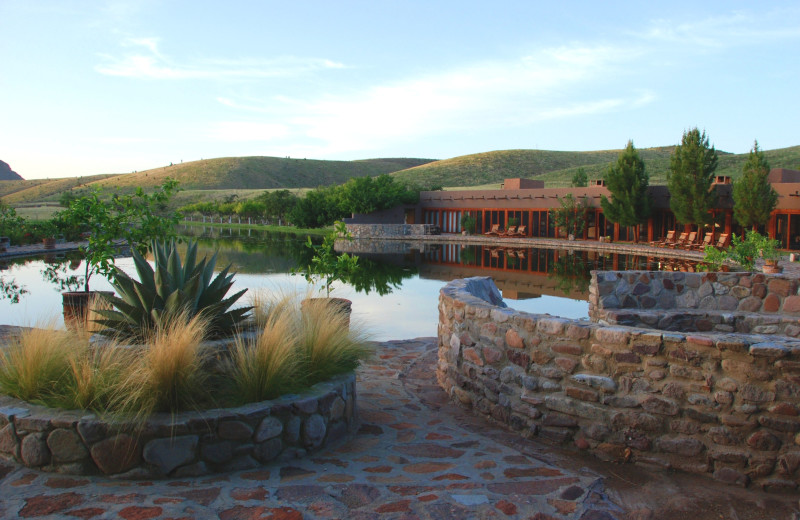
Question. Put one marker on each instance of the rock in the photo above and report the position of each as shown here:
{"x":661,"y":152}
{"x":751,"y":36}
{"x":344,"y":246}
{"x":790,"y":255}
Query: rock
{"x":235,"y":430}
{"x":272,"y":426}
{"x":116,"y":454}
{"x":167,"y":454}
{"x":34,"y":451}
{"x":268,"y":450}
{"x":66,"y":446}
{"x":764,"y":441}
{"x":313,"y":431}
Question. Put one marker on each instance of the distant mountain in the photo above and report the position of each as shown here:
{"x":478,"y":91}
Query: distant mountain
{"x":7,"y":174}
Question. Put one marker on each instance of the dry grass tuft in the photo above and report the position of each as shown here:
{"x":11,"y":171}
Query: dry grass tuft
{"x":169,"y":373}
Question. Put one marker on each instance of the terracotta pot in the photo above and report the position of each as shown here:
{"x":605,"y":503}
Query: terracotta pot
{"x":75,"y":305}
{"x":343,"y":305}
{"x":49,"y":243}
{"x":771,"y":269}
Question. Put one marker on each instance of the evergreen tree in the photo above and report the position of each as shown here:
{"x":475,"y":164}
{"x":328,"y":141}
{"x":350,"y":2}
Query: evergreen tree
{"x":580,"y":180}
{"x":754,"y":198}
{"x":627,"y":181}
{"x":691,"y":173}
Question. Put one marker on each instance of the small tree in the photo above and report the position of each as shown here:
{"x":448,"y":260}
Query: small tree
{"x":571,"y":216}
{"x":627,"y":181}
{"x":754,"y":198}
{"x":327,"y":266}
{"x":580,"y":180}
{"x":691,"y":173}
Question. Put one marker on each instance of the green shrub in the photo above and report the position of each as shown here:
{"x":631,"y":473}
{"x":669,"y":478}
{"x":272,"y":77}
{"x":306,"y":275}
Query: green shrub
{"x":172,"y":289}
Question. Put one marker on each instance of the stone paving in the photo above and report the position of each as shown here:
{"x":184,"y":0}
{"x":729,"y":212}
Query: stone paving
{"x":415,"y":456}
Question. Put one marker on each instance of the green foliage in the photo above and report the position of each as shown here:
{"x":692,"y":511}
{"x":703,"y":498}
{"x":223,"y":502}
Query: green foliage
{"x":627,"y":181}
{"x":11,"y":224}
{"x":754,"y":198}
{"x":319,"y":208}
{"x":278,"y":204}
{"x":328,"y":266}
{"x":135,"y":219}
{"x":67,"y":197}
{"x":468,"y":223}
{"x":744,"y":251}
{"x":571,"y":216}
{"x":367,"y":195}
{"x":174,"y":288}
{"x":572,"y":273}
{"x":692,"y":169}
{"x":580,"y":179}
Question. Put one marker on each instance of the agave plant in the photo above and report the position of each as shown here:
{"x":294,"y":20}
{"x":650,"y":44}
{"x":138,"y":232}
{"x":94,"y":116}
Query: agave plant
{"x":173,"y":288}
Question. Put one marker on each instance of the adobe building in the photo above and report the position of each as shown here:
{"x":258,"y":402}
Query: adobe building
{"x":530,"y":203}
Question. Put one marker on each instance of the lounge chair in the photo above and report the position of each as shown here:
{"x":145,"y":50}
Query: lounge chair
{"x":708,"y":239}
{"x":689,"y":241}
{"x":679,"y":242}
{"x":666,"y":240}
{"x":520,"y":232}
{"x":724,"y":241}
{"x":494,"y":231}
{"x":510,"y":232}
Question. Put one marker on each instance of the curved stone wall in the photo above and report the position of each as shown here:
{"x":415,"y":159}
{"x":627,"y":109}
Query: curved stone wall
{"x":722,"y":404}
{"x":185,"y":444}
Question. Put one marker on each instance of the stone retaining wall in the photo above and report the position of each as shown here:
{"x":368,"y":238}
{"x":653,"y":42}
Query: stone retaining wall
{"x":391,"y":230}
{"x":183,"y":445}
{"x":725,"y":405}
{"x":691,"y":302}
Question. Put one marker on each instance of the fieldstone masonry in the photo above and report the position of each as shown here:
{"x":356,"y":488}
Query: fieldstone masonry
{"x":697,"y":302}
{"x":717,"y":403}
{"x":183,"y":445}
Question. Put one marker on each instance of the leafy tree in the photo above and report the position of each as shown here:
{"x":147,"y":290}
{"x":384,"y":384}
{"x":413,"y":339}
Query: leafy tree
{"x":366,"y":195}
{"x":66,"y":198}
{"x":571,"y":216}
{"x":319,"y":208}
{"x":135,"y":219}
{"x":754,"y":198}
{"x":690,"y":175}
{"x":580,"y":180}
{"x":278,"y":204}
{"x":627,"y":181}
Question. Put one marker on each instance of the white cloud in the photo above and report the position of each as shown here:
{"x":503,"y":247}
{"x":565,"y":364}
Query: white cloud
{"x":152,"y":64}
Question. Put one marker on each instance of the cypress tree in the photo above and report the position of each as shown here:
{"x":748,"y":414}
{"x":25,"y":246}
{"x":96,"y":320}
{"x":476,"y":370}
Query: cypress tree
{"x":691,"y":173}
{"x":627,"y":181}
{"x":754,"y":198}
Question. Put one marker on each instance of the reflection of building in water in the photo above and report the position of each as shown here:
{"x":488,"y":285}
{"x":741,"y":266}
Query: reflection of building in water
{"x":525,"y":205}
{"x":519,"y":272}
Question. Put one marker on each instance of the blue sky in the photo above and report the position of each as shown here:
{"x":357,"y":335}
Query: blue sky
{"x":111,"y":87}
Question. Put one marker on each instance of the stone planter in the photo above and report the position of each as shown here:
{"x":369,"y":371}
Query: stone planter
{"x":179,"y":445}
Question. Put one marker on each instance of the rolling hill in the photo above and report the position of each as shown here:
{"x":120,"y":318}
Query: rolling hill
{"x":557,"y":168}
{"x":226,"y":173}
{"x":245,"y":176}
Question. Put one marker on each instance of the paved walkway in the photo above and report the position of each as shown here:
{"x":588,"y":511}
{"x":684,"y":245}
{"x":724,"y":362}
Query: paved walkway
{"x":416,"y":456}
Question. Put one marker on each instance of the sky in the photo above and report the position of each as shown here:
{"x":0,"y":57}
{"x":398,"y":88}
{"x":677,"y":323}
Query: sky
{"x":89,"y":87}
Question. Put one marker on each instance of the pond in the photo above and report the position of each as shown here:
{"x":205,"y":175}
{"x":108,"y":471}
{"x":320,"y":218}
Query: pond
{"x":396,"y":296}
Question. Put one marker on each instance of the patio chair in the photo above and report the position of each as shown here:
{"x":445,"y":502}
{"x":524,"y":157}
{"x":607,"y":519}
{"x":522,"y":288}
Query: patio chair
{"x":708,"y":239}
{"x":510,"y":232}
{"x":666,"y":240}
{"x":689,"y":241}
{"x":520,"y":232}
{"x":494,"y":231}
{"x":679,"y":242}
{"x":724,"y":241}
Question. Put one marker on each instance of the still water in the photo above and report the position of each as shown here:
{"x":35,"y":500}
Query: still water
{"x":395,"y":297}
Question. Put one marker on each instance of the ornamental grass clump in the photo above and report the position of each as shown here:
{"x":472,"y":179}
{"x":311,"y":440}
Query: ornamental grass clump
{"x":170,"y":373}
{"x":34,"y":366}
{"x":326,"y":345}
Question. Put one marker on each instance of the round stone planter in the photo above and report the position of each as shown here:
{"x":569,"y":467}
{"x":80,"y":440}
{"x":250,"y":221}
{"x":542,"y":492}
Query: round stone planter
{"x":75,"y":305}
{"x":179,"y":445}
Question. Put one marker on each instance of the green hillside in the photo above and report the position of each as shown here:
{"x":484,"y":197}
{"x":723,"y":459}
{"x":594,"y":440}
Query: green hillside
{"x":557,"y":168}
{"x":217,"y":174}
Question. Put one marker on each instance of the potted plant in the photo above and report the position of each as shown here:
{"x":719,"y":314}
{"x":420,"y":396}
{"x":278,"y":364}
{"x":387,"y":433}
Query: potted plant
{"x":768,"y":249}
{"x":468,"y":223}
{"x":327,"y":267}
{"x":108,"y":225}
{"x":570,"y":218}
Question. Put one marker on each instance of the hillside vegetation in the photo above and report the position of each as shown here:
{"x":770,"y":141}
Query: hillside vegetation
{"x":226,"y":173}
{"x":245,"y":177}
{"x":557,"y":168}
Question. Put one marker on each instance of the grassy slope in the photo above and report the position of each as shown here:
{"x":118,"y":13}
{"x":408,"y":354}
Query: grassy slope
{"x":229,"y":173}
{"x":557,"y":168}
